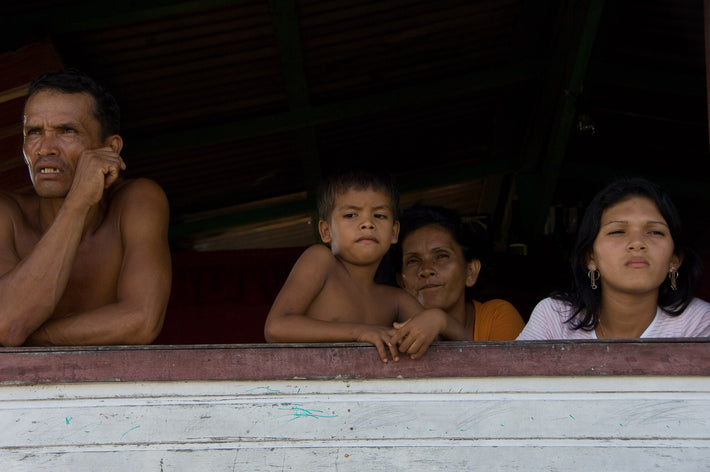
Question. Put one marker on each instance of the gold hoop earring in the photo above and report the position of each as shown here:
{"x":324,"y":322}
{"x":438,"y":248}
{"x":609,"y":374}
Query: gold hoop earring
{"x":593,"y":275}
{"x":673,"y":276}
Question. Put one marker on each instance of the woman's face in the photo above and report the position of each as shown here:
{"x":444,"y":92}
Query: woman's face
{"x":435,"y":270}
{"x":633,"y":250}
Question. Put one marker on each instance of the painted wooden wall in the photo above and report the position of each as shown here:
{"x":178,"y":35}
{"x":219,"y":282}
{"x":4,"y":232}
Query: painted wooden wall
{"x":464,"y":406}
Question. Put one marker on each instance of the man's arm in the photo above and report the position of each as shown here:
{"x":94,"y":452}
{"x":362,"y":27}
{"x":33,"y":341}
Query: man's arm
{"x":31,"y":288}
{"x":143,"y":285}
{"x":287,"y":320}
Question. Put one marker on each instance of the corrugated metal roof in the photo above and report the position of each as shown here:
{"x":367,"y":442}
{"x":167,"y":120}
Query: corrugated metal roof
{"x":229,"y":103}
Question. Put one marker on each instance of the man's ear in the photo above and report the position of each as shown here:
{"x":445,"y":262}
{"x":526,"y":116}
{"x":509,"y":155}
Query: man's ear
{"x":324,"y":231}
{"x":115,"y":142}
{"x":473,"y":268}
{"x":395,"y":232}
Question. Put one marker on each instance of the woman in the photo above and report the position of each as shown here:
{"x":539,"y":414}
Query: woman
{"x":634,"y":275}
{"x":438,"y":260}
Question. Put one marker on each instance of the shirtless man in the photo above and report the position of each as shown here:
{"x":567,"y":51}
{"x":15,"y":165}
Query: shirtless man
{"x":84,"y":259}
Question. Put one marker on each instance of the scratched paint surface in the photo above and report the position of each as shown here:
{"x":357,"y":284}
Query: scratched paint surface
{"x":441,"y":424}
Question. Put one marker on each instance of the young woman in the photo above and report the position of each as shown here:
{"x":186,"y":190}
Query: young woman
{"x":634,"y":275}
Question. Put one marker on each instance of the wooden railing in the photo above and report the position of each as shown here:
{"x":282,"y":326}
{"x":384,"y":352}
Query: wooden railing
{"x":351,"y":361}
{"x":533,"y":406}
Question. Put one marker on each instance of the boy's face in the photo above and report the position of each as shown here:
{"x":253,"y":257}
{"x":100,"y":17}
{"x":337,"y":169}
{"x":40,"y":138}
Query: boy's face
{"x":361,"y":227}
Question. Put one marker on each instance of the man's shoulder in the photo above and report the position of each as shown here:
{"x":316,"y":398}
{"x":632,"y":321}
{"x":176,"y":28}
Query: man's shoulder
{"x":16,"y":203}
{"x":138,"y":193}
{"x":134,"y":188}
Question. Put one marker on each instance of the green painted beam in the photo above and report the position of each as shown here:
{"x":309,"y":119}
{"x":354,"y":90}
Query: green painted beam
{"x":579,"y":22}
{"x":288,"y":40}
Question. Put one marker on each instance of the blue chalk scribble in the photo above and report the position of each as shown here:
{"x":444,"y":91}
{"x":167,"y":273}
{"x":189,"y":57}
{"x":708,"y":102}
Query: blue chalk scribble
{"x":299,"y":412}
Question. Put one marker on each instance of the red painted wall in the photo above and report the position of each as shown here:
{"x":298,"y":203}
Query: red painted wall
{"x":223,"y":297}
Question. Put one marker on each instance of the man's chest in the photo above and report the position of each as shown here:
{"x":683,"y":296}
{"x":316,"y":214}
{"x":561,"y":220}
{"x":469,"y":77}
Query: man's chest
{"x":94,"y":275}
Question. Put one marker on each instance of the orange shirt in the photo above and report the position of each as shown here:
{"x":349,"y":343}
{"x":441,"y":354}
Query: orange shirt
{"x":496,"y":320}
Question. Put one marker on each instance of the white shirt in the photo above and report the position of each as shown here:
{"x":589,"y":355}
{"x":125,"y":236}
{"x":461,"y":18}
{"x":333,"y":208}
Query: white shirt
{"x":547,"y":321}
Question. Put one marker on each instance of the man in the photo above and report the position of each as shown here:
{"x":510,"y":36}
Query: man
{"x":84,"y":259}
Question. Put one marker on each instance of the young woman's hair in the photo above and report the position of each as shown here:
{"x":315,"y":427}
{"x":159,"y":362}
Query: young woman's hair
{"x":106,"y":109}
{"x":585,"y":301}
{"x":472,"y":237}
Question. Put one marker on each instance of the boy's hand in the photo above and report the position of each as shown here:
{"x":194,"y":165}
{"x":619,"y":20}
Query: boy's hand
{"x":415,"y":335}
{"x":380,"y":337}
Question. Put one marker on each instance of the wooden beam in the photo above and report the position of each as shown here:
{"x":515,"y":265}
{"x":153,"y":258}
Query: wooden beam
{"x":88,"y":15}
{"x":351,"y":361}
{"x":301,"y":118}
{"x":288,"y":40}
{"x":248,"y":216}
{"x":706,"y":7}
{"x":551,"y":128}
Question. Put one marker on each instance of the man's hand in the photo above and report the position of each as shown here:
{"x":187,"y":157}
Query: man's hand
{"x":96,"y":170}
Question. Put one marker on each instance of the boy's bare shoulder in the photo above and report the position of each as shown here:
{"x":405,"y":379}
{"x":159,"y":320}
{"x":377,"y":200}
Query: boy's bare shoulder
{"x":318,"y":253}
{"x":402,"y":301}
{"x":318,"y":250}
{"x":389,"y":294}
{"x":316,"y":259}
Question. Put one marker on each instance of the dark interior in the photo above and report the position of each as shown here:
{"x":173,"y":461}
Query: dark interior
{"x":505,"y":110}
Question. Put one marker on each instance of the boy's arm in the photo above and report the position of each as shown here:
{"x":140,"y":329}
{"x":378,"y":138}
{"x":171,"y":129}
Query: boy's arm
{"x":287,"y":320}
{"x":422,"y":327}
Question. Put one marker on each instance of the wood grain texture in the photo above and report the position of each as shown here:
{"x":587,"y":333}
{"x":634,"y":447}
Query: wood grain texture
{"x":324,"y":361}
{"x":512,"y":423}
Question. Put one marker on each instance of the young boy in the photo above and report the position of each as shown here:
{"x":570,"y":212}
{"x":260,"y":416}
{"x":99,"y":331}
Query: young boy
{"x":330,"y":294}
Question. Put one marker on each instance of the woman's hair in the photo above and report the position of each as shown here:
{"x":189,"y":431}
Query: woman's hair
{"x":586,"y":301}
{"x":471,"y":237}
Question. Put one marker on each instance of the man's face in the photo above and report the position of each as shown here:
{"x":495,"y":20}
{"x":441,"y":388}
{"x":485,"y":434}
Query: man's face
{"x":57,"y":128}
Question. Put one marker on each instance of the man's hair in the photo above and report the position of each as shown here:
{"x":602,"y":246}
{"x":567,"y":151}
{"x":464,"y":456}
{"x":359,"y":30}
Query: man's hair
{"x":106,"y":109}
{"x":340,"y":182}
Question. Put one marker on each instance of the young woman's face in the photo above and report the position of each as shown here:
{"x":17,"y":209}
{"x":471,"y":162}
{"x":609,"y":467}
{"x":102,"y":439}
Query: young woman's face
{"x":435,"y":270}
{"x":633,"y":250}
